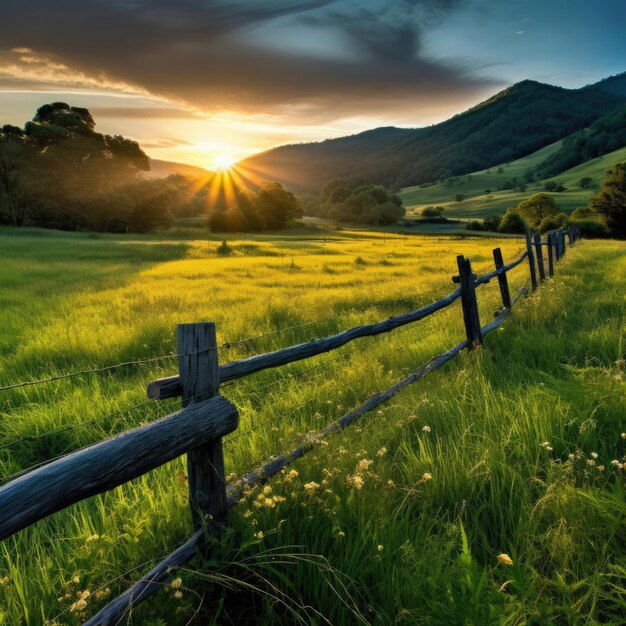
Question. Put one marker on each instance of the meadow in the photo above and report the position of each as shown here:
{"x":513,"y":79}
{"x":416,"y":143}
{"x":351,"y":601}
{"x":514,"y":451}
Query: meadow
{"x":401,"y":519}
{"x":477,"y":203}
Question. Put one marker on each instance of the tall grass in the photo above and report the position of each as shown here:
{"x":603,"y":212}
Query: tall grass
{"x":401,"y":518}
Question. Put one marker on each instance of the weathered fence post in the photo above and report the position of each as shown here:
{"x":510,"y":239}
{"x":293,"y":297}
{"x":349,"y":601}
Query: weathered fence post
{"x":539,"y":256}
{"x":570,"y":236}
{"x":199,"y":378}
{"x":550,"y":244}
{"x":502,"y":279}
{"x":468,"y":302}
{"x":531,"y":261}
{"x":557,"y":244}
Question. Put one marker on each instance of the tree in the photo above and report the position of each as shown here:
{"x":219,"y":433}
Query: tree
{"x":585,"y":182}
{"x":610,"y":201}
{"x":552,"y":222}
{"x":13,"y":187}
{"x":432,"y":211}
{"x":277,"y":206}
{"x":58,"y":172}
{"x":512,"y":222}
{"x":535,"y":208}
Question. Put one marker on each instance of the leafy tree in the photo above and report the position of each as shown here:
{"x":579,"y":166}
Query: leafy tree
{"x":492,"y":222}
{"x":432,"y":211}
{"x":535,"y":208}
{"x":552,"y":222}
{"x":353,"y":200}
{"x":512,"y":222}
{"x":585,"y":182}
{"x":581,"y":213}
{"x":13,"y":185}
{"x":459,"y":197}
{"x":58,"y":172}
{"x":610,"y":201}
{"x":271,"y":207}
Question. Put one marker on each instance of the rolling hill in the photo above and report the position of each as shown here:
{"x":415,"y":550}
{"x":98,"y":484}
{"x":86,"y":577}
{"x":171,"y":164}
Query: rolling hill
{"x":512,"y":124}
{"x":478,"y":203}
{"x":162,"y":169}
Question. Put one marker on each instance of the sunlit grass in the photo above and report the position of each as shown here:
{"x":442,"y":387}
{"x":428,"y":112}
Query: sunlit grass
{"x":551,"y":375}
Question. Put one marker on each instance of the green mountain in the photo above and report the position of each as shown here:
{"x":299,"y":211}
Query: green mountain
{"x":513,"y":123}
{"x":605,"y":135}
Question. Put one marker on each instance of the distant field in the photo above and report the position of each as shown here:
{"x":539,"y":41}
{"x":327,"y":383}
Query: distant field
{"x":477,"y":203}
{"x":399,"y":548}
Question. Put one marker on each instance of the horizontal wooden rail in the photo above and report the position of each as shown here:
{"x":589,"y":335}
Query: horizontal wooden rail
{"x":111,"y":463}
{"x":485,"y":278}
{"x":170,"y":387}
{"x":121,"y":607}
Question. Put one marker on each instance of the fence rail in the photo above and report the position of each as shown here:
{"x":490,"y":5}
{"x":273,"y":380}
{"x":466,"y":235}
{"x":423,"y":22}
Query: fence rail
{"x":206,"y":417}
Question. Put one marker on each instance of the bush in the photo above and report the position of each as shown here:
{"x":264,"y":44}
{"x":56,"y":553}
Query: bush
{"x":591,"y":228}
{"x":475,"y":225}
{"x":492,"y":222}
{"x":552,"y":222}
{"x":581,"y":213}
{"x":432,"y":211}
{"x":512,"y":222}
{"x":534,"y":209}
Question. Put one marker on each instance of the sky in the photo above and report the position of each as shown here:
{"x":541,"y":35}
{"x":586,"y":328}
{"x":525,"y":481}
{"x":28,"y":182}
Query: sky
{"x":206,"y":82}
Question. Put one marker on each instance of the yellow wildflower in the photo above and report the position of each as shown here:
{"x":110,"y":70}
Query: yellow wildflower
{"x":504,"y":559}
{"x":382,"y":451}
{"x":311,"y":487}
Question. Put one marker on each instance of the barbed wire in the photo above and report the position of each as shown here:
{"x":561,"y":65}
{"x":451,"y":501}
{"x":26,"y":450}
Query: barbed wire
{"x":225,"y":345}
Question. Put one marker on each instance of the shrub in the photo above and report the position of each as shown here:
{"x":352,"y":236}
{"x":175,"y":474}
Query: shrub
{"x":535,"y":208}
{"x":475,"y":225}
{"x":552,"y":222}
{"x":492,"y":222}
{"x":591,"y":228}
{"x":512,"y":222}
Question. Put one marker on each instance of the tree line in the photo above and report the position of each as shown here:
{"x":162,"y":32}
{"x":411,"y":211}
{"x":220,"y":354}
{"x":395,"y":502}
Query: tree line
{"x":58,"y":172}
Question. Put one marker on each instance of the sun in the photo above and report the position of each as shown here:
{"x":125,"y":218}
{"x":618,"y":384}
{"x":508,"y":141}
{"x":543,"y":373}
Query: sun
{"x":223,"y":162}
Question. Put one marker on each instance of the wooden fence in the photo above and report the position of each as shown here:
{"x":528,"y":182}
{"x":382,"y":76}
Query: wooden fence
{"x":206,"y":417}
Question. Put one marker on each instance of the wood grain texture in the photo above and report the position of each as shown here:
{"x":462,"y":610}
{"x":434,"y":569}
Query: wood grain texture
{"x":170,"y":387}
{"x":111,"y":463}
{"x":199,"y":376}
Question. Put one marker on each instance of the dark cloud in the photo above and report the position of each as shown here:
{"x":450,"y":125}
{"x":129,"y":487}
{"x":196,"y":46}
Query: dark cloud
{"x":202,"y":51}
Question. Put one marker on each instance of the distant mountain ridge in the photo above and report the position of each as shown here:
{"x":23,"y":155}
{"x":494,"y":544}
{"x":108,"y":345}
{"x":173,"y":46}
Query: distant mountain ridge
{"x":163,"y":169}
{"x":511,"y":124}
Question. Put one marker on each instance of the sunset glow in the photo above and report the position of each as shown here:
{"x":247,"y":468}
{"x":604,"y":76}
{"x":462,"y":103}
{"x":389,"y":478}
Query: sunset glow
{"x":223,"y":162}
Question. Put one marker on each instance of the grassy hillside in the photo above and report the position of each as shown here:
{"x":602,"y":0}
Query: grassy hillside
{"x":477,"y":203}
{"x":513,"y":123}
{"x":359,"y":533}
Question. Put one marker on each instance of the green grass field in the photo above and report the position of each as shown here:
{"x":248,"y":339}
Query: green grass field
{"x":477,"y":203}
{"x":398,"y":520}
